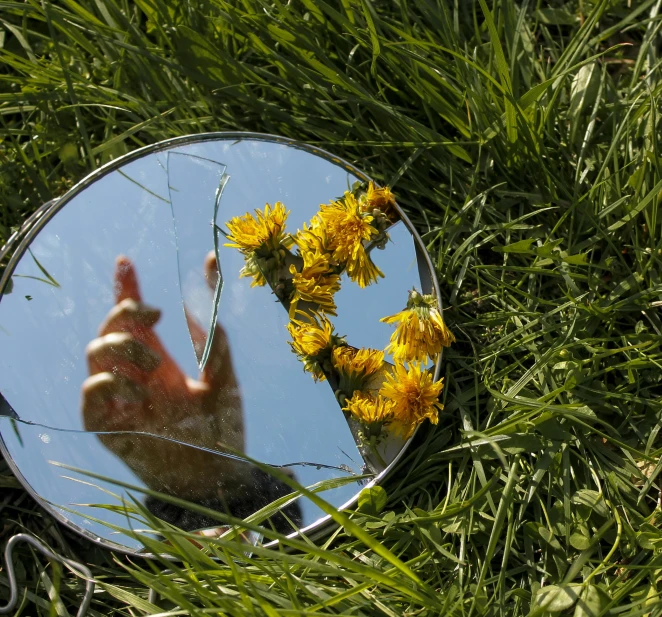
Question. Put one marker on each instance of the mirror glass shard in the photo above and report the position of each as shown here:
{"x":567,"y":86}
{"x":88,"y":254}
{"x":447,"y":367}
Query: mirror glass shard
{"x":195,"y":187}
{"x":133,"y":345}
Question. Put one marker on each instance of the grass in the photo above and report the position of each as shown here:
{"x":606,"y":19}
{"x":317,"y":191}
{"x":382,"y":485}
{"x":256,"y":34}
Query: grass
{"x":522,"y":139}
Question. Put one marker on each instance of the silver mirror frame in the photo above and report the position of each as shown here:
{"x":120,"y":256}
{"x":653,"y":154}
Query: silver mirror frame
{"x":19,"y":242}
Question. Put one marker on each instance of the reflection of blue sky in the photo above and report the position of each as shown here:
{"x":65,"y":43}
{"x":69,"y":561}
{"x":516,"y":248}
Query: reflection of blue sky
{"x":360,"y":310}
{"x":81,"y":450}
{"x":288,"y":417}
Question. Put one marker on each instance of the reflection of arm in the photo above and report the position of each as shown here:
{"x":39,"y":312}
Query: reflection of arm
{"x":135,"y":385}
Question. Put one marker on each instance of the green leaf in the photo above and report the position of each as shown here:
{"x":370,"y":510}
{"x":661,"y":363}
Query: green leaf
{"x":372,"y":500}
{"x":640,"y":207}
{"x":584,"y":89}
{"x":504,"y":72}
{"x":512,"y":444}
{"x":129,"y":598}
{"x":579,"y":541}
{"x":548,"y":248}
{"x":649,"y":540}
{"x":281,"y":35}
{"x":628,"y":284}
{"x":434,"y":536}
{"x":557,"y":16}
{"x":557,"y":598}
{"x":374,"y":37}
{"x":580,"y":259}
{"x":549,"y":537}
{"x":521,"y":246}
{"x":591,"y":501}
{"x":592,"y":603}
{"x":49,"y":279}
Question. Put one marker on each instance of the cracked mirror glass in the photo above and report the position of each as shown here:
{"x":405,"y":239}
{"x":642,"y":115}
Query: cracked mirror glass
{"x":141,"y":340}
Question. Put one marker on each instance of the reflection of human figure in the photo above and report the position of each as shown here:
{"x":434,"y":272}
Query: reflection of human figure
{"x":135,"y":385}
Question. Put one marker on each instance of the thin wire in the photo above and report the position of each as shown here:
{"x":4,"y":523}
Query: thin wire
{"x":11,"y":575}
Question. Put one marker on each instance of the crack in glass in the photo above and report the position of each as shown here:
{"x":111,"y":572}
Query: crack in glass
{"x":11,"y":415}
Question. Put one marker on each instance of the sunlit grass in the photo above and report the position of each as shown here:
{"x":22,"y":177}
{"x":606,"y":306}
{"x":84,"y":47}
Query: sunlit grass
{"x":523,"y":143}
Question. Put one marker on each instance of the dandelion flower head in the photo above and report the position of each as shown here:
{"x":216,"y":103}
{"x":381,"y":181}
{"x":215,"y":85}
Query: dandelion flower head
{"x":415,"y":395}
{"x":313,"y":238}
{"x":420,"y":331}
{"x":347,"y":229}
{"x":345,"y":225}
{"x":313,"y":338}
{"x":314,"y":283}
{"x":355,"y":366}
{"x":263,"y":232}
{"x":379,"y":198}
{"x":369,"y":408}
{"x":252,"y":269}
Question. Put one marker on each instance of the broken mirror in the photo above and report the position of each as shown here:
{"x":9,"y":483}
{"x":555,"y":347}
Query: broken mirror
{"x":197,"y":302}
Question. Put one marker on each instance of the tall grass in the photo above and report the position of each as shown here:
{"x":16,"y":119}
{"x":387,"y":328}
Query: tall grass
{"x":522,"y":138}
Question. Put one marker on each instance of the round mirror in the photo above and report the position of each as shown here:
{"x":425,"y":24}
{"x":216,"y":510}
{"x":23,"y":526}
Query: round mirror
{"x":160,"y":322}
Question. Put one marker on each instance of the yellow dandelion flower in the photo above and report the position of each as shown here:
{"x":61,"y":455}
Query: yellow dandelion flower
{"x":355,"y":366}
{"x":308,"y":339}
{"x":312,"y":342}
{"x":312,"y":239}
{"x":346,"y":230}
{"x":367,"y":361}
{"x":369,"y":409}
{"x":415,"y":396}
{"x":252,"y":269}
{"x":265,"y":231}
{"x":380,"y":198}
{"x":420,"y":332}
{"x":345,"y":226}
{"x":361,"y":269}
{"x":314,"y":284}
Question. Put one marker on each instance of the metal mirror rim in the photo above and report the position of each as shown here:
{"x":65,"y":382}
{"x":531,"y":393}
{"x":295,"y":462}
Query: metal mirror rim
{"x":38,"y":220}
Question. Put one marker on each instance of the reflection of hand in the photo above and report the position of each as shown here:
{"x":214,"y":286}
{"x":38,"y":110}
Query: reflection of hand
{"x":135,"y":385}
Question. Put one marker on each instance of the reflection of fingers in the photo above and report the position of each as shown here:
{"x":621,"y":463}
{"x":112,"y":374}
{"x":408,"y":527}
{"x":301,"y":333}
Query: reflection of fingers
{"x":126,"y":280}
{"x":136,"y":318}
{"x":211,"y":270}
{"x":116,"y":350}
{"x":110,"y":402}
{"x":128,"y":316}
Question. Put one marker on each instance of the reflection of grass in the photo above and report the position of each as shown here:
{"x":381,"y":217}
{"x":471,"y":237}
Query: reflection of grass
{"x":49,"y":280}
{"x":17,"y":433}
{"x":142,"y":186}
{"x":535,"y":184}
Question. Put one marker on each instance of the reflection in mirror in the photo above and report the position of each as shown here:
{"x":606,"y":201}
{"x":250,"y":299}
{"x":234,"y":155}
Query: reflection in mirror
{"x":383,"y":402}
{"x":119,"y":354}
{"x":42,"y":453}
{"x":195,"y":187}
